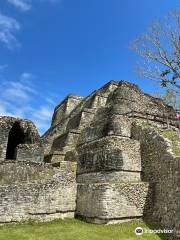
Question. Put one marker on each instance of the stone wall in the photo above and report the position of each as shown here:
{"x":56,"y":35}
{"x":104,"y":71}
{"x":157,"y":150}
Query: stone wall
{"x":40,"y":200}
{"x":161,"y":166}
{"x":27,"y":131}
{"x":30,"y":188}
{"x":108,"y":170}
{"x":30,"y":152}
{"x":128,"y":97}
{"x":64,"y":108}
{"x":3,"y":143}
{"x":108,"y":154}
{"x":113,"y":202}
{"x":109,"y":184}
{"x":15,"y":172}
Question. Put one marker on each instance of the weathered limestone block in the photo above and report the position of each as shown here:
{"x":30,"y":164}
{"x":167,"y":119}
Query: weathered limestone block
{"x":80,"y":120}
{"x":109,"y":153}
{"x":14,"y":172}
{"x":52,"y":133}
{"x":96,"y":101}
{"x":55,"y":158}
{"x":64,"y":108}
{"x":99,"y":97}
{"x":115,"y":125}
{"x":161,"y":165}
{"x":13,"y":132}
{"x":66,"y":142}
{"x":3,"y":143}
{"x":119,"y":125}
{"x":64,"y":115}
{"x":74,"y":122}
{"x":108,"y":88}
{"x":29,"y":153}
{"x":109,"y":177}
{"x":47,"y":200}
{"x":71,"y":156}
{"x":93,"y":132}
{"x":68,"y":166}
{"x":156,"y":153}
{"x":128,"y":97}
{"x":103,"y":203}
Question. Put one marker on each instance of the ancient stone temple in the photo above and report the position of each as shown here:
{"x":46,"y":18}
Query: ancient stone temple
{"x":109,"y":157}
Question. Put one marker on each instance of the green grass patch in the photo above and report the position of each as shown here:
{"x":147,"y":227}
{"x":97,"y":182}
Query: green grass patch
{"x":74,"y":229}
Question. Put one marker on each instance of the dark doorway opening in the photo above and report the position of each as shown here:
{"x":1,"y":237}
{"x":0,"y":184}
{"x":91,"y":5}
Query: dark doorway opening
{"x":16,"y":136}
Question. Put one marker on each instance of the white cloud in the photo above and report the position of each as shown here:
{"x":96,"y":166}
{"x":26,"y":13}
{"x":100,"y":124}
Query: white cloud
{"x":26,"y":76}
{"x":42,"y":117}
{"x":26,"y":5}
{"x":21,"y":98}
{"x":8,"y":26}
{"x":20,"y":90}
{"x":23,"y":5}
{"x":43,"y":113}
{"x":53,"y":1}
{"x":3,"y":110}
{"x":16,"y":92}
{"x":50,"y":100}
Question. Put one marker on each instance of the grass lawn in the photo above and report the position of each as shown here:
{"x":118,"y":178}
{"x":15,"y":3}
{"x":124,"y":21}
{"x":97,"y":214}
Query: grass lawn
{"x":73,"y":229}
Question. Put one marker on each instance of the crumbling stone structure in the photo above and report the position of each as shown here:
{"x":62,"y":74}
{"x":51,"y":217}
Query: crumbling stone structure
{"x":19,"y":139}
{"x":103,"y":158}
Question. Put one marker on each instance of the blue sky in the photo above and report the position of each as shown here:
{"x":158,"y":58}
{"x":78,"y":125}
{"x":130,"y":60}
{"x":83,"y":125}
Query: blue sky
{"x":49,"y":48}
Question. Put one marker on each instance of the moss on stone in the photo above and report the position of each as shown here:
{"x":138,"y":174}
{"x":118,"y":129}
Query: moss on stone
{"x":171,"y":134}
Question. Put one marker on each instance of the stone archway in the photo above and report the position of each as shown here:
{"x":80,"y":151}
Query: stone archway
{"x":16,"y":136}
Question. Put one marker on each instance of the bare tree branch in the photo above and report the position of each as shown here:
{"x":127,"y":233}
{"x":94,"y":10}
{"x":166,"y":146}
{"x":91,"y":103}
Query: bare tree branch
{"x":160,"y":49}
